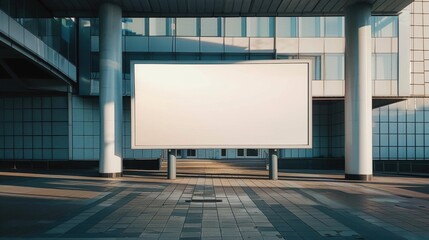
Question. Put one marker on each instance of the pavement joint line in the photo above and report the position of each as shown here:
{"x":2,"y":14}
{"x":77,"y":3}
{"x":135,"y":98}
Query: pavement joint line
{"x":68,"y":225}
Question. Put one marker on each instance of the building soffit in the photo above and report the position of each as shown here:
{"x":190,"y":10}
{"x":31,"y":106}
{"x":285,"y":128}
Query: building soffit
{"x":218,"y":8}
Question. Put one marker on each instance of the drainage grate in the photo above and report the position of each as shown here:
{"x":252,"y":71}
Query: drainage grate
{"x":209,"y":200}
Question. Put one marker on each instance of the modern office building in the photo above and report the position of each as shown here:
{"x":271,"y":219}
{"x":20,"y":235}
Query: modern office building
{"x":58,"y":57}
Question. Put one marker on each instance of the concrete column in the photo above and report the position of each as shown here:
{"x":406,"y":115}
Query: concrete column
{"x":273,"y":155}
{"x":110,"y":90}
{"x":171,"y":168}
{"x":358,"y":93}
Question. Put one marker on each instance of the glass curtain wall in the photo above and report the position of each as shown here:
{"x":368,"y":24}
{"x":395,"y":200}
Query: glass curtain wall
{"x":57,"y":33}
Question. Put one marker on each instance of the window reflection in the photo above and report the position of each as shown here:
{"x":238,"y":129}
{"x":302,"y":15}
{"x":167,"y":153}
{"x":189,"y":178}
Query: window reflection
{"x":384,"y":26}
{"x":334,"y":66}
{"x":260,"y":27}
{"x":311,"y":27}
{"x":160,"y":27}
{"x":334,"y":26}
{"x":235,"y":27}
{"x":211,"y":27}
{"x":287,"y":27}
{"x":134,"y":26}
{"x":186,"y":27}
{"x":384,"y":66}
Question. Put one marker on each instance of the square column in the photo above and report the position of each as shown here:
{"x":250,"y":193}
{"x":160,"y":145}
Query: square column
{"x":110,"y":90}
{"x":358,"y":92}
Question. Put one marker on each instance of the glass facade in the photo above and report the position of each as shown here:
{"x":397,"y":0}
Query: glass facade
{"x":187,"y":27}
{"x":135,"y":26}
{"x":326,"y":65}
{"x":334,"y":66}
{"x":260,"y":27}
{"x":311,"y":27}
{"x":400,"y":130}
{"x":385,"y":66}
{"x":383,"y":26}
{"x":287,"y":27}
{"x":57,"y":33}
{"x":283,"y":27}
{"x":211,"y":27}
{"x":235,"y":27}
{"x":161,"y":26}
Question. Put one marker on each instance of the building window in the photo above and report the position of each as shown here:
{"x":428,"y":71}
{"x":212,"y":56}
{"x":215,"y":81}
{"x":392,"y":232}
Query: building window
{"x":95,"y":27}
{"x":235,"y":27}
{"x":134,"y":26}
{"x":260,"y":27}
{"x":287,"y":27}
{"x":247,"y":152}
{"x":384,"y":26}
{"x":252,"y":152}
{"x":223,"y":152}
{"x":211,"y":27}
{"x":191,"y":153}
{"x":317,"y":65}
{"x":240,"y":152}
{"x":385,"y":66}
{"x":160,"y":27}
{"x":311,"y":27}
{"x":334,"y":27}
{"x":334,"y":66}
{"x":187,"y":27}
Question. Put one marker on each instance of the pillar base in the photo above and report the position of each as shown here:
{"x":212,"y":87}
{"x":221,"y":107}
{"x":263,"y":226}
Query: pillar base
{"x":359,"y":177}
{"x":111,"y":175}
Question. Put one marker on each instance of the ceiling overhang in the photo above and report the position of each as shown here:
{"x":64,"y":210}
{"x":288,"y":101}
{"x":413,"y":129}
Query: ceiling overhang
{"x":217,"y":8}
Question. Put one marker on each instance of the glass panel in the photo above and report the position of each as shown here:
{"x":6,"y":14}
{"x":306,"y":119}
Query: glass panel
{"x":260,"y":27}
{"x":160,"y":27}
{"x":94,"y":27}
{"x":317,"y":65}
{"x":134,"y":26}
{"x":311,"y":27}
{"x":385,"y":66}
{"x":235,"y":27}
{"x":191,"y":152}
{"x":179,"y":153}
{"x":334,"y":26}
{"x":334,"y":66}
{"x":211,"y":27}
{"x":384,"y":26}
{"x":240,"y":152}
{"x":186,"y":27}
{"x":287,"y":27}
{"x":252,"y":152}
{"x":223,"y":152}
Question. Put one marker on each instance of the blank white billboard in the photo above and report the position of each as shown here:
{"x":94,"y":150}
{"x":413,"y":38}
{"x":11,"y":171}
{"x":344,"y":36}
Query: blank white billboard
{"x":182,"y":105}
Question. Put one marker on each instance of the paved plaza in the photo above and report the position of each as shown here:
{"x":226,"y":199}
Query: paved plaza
{"x":211,"y":200}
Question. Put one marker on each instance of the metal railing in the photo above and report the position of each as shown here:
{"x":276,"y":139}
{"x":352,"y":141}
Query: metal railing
{"x":265,"y":156}
{"x":162,"y":157}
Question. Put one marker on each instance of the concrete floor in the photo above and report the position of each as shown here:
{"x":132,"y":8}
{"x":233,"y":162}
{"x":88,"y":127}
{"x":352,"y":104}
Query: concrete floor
{"x":229,"y":200}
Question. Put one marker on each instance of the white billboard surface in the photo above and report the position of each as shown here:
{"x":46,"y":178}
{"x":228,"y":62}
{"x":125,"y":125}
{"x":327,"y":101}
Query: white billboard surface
{"x":179,"y":105}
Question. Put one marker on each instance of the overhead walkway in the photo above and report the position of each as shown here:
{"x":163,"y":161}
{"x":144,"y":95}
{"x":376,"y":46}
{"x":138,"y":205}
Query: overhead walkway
{"x":27,"y":64}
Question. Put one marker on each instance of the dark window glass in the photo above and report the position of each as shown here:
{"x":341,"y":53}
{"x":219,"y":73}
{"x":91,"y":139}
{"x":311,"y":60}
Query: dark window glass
{"x":191,"y":152}
{"x":240,"y":152}
{"x":252,"y":152}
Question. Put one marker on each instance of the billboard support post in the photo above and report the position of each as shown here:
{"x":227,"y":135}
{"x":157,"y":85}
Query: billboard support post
{"x":171,"y":171}
{"x":273,"y":154}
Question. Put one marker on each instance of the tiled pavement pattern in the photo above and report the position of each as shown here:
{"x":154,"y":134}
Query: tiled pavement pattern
{"x":228,"y":200}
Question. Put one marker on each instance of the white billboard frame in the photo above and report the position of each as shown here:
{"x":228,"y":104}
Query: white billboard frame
{"x":308,"y":110}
